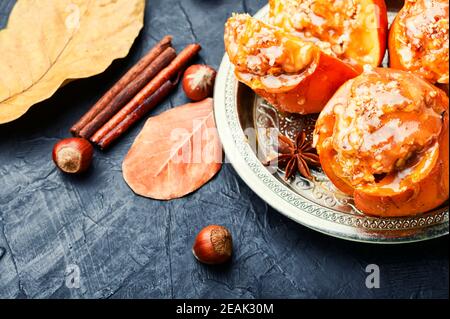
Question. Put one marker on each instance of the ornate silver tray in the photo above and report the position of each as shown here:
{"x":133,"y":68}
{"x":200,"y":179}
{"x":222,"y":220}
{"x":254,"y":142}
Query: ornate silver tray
{"x":244,"y":119}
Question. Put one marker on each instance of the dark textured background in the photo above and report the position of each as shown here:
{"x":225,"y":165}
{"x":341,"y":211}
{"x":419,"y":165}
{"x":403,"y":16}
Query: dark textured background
{"x":127,"y":246}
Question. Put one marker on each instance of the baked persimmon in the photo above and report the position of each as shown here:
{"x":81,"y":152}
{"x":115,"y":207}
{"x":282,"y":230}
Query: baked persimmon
{"x":352,"y":30}
{"x":419,"y":39}
{"x":293,"y":75}
{"x":383,"y":138}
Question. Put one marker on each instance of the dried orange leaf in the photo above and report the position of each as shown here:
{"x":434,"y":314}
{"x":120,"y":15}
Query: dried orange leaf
{"x":176,"y":152}
{"x":49,"y":42}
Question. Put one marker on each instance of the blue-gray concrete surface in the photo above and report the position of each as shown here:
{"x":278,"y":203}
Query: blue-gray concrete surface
{"x":127,"y":246}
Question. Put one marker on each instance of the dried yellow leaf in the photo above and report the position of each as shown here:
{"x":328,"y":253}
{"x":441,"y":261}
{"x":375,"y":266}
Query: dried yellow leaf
{"x":49,"y":42}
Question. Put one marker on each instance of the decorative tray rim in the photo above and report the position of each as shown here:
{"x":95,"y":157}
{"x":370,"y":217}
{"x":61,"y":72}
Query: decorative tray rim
{"x":290,"y":203}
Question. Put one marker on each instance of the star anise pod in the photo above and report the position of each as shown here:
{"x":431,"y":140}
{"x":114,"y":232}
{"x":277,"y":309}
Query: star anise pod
{"x":296,"y":156}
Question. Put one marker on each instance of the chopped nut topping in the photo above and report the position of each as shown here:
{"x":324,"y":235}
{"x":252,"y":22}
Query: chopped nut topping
{"x":424,"y":38}
{"x":377,"y":130}
{"x":257,"y":49}
{"x":329,"y":26}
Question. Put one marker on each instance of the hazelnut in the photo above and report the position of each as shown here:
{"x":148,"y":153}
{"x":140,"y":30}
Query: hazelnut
{"x":73,"y":155}
{"x":213,"y":245}
{"x":198,"y":82}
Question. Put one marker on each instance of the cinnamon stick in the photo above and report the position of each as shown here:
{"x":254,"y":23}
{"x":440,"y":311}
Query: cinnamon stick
{"x":138,"y":113}
{"x":175,"y":67}
{"x":128,"y":92}
{"x":124,"y":81}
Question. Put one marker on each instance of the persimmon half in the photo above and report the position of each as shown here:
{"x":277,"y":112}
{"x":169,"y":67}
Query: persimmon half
{"x":419,"y":40}
{"x":352,"y":30}
{"x":383,"y":138}
{"x":292,"y":74}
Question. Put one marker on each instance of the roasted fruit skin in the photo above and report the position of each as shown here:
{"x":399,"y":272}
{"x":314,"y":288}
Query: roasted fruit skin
{"x":419,"y":40}
{"x":293,"y":75}
{"x":354,"y":31}
{"x":383,"y":138}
